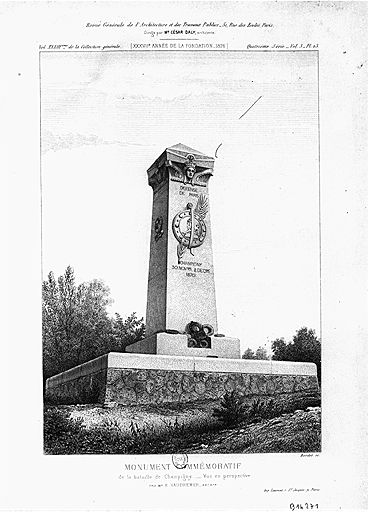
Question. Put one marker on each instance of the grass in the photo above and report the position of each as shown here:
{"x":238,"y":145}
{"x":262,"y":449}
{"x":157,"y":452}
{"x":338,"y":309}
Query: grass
{"x":108,"y":437}
{"x":66,"y":435}
{"x":291,"y":432}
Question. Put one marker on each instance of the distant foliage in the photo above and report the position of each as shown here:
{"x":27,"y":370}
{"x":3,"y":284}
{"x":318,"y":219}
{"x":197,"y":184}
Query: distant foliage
{"x":260,"y":353}
{"x":249,"y":354}
{"x":305,"y":347}
{"x":76,"y":326}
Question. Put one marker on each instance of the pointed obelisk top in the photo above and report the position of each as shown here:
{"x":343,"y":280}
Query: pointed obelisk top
{"x":182,"y":148}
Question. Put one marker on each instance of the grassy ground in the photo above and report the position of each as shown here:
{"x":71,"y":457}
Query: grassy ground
{"x":188,"y":428}
{"x":158,"y":417}
{"x":292,"y":432}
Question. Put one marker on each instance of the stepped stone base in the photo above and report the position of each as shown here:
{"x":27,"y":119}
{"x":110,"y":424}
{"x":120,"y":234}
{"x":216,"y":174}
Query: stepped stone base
{"x":129,"y":379}
{"x":177,"y":344}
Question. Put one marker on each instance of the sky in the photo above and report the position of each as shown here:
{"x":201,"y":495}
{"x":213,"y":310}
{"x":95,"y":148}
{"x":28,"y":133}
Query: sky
{"x":105,"y":117}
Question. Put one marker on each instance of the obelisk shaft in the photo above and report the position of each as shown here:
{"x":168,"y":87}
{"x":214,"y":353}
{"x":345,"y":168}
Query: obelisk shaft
{"x":181,"y":285}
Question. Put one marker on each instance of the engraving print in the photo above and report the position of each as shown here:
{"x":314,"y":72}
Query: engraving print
{"x":180,"y":244}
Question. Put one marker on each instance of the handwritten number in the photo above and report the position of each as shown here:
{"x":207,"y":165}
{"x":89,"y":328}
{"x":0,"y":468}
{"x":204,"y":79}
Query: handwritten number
{"x":299,"y":506}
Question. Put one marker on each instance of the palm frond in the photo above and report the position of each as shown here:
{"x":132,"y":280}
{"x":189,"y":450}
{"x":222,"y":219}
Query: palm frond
{"x":201,"y":208}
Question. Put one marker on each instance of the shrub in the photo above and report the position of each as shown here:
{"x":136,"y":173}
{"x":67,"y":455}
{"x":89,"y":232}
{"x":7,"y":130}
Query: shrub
{"x":233,"y":410}
{"x":264,"y":409}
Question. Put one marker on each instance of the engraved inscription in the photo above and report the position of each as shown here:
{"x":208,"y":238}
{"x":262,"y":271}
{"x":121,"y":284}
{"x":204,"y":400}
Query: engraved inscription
{"x":191,"y":191}
{"x":191,"y":270}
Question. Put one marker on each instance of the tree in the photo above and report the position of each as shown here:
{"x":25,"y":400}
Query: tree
{"x":279,"y":349}
{"x":305,"y":347}
{"x":76,"y":324}
{"x":248,"y":354}
{"x":127,"y":331}
{"x":261,"y":353}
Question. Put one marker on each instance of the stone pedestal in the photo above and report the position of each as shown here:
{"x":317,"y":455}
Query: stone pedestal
{"x":177,"y":345}
{"x":136,"y":379}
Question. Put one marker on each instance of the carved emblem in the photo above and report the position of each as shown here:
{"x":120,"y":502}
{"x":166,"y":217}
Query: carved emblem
{"x":159,"y":228}
{"x":187,"y":173}
{"x":190,"y":169}
{"x":189,"y":227}
{"x":199,"y":335}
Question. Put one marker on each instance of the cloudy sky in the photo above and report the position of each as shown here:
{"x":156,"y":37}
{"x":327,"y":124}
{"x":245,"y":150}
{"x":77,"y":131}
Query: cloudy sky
{"x":107,"y":116}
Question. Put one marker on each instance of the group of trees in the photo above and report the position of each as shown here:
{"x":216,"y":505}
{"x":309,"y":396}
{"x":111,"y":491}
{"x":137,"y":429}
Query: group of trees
{"x":305,"y":347}
{"x":260,"y":353}
{"x":76,"y":325}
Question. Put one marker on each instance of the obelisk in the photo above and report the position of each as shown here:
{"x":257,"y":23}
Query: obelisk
{"x":181,"y":313}
{"x":183,"y":358}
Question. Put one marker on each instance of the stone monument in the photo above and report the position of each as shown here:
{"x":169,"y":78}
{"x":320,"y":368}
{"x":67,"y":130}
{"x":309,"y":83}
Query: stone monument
{"x":181,"y":314}
{"x":183,"y":357}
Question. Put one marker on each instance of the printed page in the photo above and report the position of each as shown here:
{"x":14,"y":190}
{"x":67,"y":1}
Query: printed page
{"x":185,"y":192}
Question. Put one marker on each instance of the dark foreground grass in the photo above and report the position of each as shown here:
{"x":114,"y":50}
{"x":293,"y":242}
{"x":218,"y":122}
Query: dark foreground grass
{"x":64,"y":435}
{"x":248,"y":430}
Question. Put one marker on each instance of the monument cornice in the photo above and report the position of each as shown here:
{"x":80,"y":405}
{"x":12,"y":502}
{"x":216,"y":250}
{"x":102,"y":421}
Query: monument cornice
{"x":183,"y":164}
